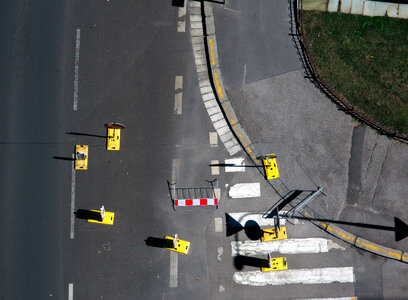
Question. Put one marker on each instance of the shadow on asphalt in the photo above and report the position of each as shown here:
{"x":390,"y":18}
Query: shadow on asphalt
{"x":63,"y":158}
{"x":158,"y":242}
{"x":252,"y":230}
{"x":86,"y":214}
{"x":240,"y":261}
{"x":87,"y":134}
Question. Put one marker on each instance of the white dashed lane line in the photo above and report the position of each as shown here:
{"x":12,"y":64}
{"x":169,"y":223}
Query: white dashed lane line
{"x":76,"y":73}
{"x":213,"y":139}
{"x":72,"y":227}
{"x":71,"y":291}
{"x":178,"y":96}
{"x":218,"y":224}
{"x":181,"y":24}
{"x":173,"y":269}
{"x":215,"y":170}
{"x":175,"y":170}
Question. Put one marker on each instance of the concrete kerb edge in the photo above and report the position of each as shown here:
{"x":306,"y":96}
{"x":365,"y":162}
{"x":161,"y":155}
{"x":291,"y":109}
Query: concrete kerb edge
{"x":250,"y":150}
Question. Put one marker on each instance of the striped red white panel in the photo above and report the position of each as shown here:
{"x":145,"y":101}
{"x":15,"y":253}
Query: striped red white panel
{"x":196,"y":202}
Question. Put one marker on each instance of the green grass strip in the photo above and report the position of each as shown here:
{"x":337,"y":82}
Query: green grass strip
{"x":366,"y":60}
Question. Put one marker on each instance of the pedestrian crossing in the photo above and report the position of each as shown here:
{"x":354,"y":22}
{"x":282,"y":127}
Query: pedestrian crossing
{"x":255,"y":252}
{"x":311,"y":261}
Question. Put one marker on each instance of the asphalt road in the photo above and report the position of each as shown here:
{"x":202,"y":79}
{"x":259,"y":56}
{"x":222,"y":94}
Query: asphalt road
{"x":130,"y":53}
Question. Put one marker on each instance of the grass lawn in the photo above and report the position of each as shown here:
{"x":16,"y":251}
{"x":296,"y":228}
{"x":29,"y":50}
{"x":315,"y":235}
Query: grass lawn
{"x":366,"y":60}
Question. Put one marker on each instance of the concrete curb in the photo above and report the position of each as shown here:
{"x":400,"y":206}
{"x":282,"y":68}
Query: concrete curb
{"x":244,"y":141}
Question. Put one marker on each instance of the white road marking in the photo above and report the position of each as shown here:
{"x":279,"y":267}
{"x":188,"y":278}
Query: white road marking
{"x":173,"y":268}
{"x":182,"y":11}
{"x":178,"y":102}
{"x":288,"y":246}
{"x":221,"y":289}
{"x":175,"y":170}
{"x":218,"y":224}
{"x":303,"y":276}
{"x":220,"y":251}
{"x":237,"y":162}
{"x":243,"y":81}
{"x":178,"y":84}
{"x":217,"y":192}
{"x":71,"y":291}
{"x":245,"y":190}
{"x":243,"y":217}
{"x":178,"y":97}
{"x":213,"y":139}
{"x":181,"y":26}
{"x":76,"y":74}
{"x":72,"y":198}
{"x":339,"y":298}
{"x":215,"y":170}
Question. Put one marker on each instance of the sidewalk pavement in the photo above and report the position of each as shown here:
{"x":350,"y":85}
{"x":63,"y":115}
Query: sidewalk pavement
{"x":363,"y":174}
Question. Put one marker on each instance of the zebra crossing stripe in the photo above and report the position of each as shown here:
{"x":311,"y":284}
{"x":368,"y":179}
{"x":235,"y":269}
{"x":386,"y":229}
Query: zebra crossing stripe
{"x":302,"y":276}
{"x":243,"y":217}
{"x":289,"y":246}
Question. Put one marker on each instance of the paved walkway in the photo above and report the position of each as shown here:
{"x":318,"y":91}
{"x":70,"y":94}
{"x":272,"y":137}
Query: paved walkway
{"x":363,"y":174}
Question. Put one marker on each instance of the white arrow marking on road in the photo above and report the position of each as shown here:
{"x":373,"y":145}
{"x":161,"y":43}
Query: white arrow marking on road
{"x":303,"y":276}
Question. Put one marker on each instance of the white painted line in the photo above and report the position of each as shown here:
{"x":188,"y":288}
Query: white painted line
{"x":215,"y":170}
{"x":288,"y":246}
{"x":175,"y":170}
{"x":181,"y":26}
{"x":245,"y":190}
{"x":220,"y":251}
{"x":237,"y":162}
{"x":217,"y":192}
{"x":221,"y":289}
{"x":178,"y":83}
{"x":70,"y":291}
{"x":72,"y":198}
{"x":243,"y":81}
{"x":182,"y":11}
{"x":243,"y":217}
{"x":76,"y":74}
{"x":338,"y":298}
{"x":178,"y":102}
{"x":303,"y":276}
{"x":213,"y":139}
{"x":173,"y":268}
{"x":218,"y":224}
